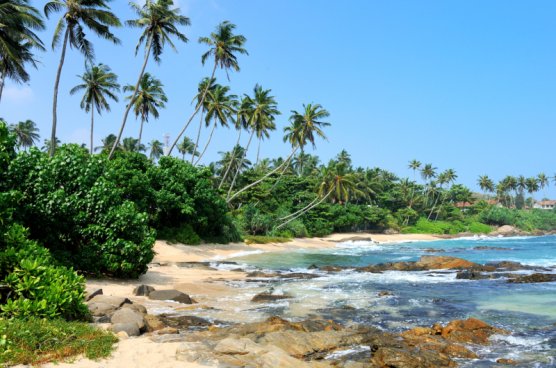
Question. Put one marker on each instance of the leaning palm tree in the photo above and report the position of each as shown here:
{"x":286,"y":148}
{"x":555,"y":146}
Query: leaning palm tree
{"x":187,"y":147}
{"x":18,"y":21}
{"x":260,"y":112}
{"x":304,"y":129}
{"x":223,"y":47}
{"x":205,"y":87}
{"x":26,"y":133}
{"x":155,"y":149}
{"x":221,"y":107}
{"x":99,"y":83}
{"x":148,"y":99}
{"x":159,"y":22}
{"x":232,"y":159}
{"x":78,"y":14}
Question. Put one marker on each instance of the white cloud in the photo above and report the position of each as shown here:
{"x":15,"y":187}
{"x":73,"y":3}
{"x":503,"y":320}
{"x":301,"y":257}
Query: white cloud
{"x":19,"y":95}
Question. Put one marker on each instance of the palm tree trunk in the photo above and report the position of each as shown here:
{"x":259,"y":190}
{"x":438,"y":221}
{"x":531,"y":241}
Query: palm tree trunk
{"x":302,"y":213}
{"x":198,"y":137}
{"x":298,"y":211}
{"x":434,"y":205}
{"x":140,"y":133}
{"x":92,"y":128}
{"x":55,"y":98}
{"x":240,"y":165}
{"x":194,"y":113}
{"x":258,"y":152}
{"x":128,"y":108}
{"x":231,"y":161}
{"x":208,"y":142}
{"x":264,"y":177}
{"x":2,"y":82}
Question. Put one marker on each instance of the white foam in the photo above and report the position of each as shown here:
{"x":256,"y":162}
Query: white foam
{"x":341,"y":353}
{"x":529,"y":342}
{"x":237,"y":254}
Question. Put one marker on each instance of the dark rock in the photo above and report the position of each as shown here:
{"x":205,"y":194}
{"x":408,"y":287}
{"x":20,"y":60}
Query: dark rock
{"x":536,"y":277}
{"x":384,"y":293}
{"x":153,"y":323}
{"x":130,"y":328}
{"x":90,"y":294}
{"x":313,"y":267}
{"x":143,"y":290}
{"x":174,"y":295}
{"x":471,"y":275}
{"x":331,"y":268}
{"x":261,"y":274}
{"x":432,"y":250}
{"x":268,"y":297}
{"x":506,"y":361}
{"x":183,"y":322}
{"x":299,"y":275}
{"x":490,"y":248}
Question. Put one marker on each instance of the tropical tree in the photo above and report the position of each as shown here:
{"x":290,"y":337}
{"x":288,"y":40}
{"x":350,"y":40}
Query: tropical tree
{"x":131,"y":144}
{"x":26,"y":133}
{"x":224,"y":46}
{"x":159,"y":22}
{"x":148,"y":99}
{"x":304,"y":128}
{"x":232,"y":160}
{"x":48,"y":146}
{"x":543,"y":181}
{"x":206,"y":84}
{"x":156,"y":149}
{"x":99,"y":83}
{"x":486,"y":184}
{"x":532,"y":185}
{"x":18,"y":21}
{"x":107,"y":144}
{"x":187,"y":147}
{"x":78,"y":15}
{"x":260,"y":113}
{"x":414,"y":165}
{"x":221,"y":108}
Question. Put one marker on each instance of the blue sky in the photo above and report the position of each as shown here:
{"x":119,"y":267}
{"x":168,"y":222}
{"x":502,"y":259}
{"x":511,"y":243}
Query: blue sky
{"x":468,"y":85}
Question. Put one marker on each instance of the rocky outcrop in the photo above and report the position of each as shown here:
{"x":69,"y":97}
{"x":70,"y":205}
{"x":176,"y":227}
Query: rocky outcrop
{"x":536,"y":277}
{"x":174,"y":295}
{"x":143,"y":290}
{"x":269,"y":297}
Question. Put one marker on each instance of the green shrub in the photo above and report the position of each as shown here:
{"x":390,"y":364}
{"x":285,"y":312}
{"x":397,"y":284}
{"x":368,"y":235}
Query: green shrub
{"x":39,"y":341}
{"x":498,"y":216}
{"x":478,"y":228}
{"x":255,"y":239}
{"x":37,"y":287}
{"x":184,"y":235}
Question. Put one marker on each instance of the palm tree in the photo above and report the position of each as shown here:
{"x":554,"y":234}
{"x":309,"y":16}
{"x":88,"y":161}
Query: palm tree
{"x":223,"y":47}
{"x":155,"y":149}
{"x":221,"y":107}
{"x":148,"y":99}
{"x":48,"y":146}
{"x":98,"y":83}
{"x":159,"y":21}
{"x":486,"y":184}
{"x":260,"y":112}
{"x":187,"y":146}
{"x":18,"y":22}
{"x":107,"y":144}
{"x":26,"y":133}
{"x":543,"y":181}
{"x":447,"y":177}
{"x":304,"y":129}
{"x":78,"y":14}
{"x":131,"y":144}
{"x":414,"y":165}
{"x":207,"y":84}
{"x":532,"y":185}
{"x":233,"y":160}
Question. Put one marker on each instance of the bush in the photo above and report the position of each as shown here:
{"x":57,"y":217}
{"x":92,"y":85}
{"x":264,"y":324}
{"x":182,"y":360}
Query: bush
{"x":184,"y":235}
{"x":37,"y":287}
{"x":497,"y":216}
{"x":254,"y":239}
{"x":39,"y":341}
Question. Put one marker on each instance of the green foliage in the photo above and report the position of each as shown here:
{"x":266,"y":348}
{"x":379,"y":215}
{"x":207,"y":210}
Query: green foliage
{"x":255,"y":239}
{"x":424,"y":226}
{"x":184,"y":235}
{"x":38,"y":341}
{"x":37,"y":287}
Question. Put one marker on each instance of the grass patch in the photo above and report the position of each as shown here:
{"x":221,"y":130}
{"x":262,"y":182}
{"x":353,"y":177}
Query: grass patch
{"x":255,"y":239}
{"x":39,"y":341}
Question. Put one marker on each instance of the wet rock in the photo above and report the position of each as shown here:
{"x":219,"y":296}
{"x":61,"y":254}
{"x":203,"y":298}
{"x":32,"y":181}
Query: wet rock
{"x":153,"y":323}
{"x":90,"y":294}
{"x":433,"y":250}
{"x":136,"y":307}
{"x":470,"y":330}
{"x":299,"y":275}
{"x":472,"y":275}
{"x":443,"y":262}
{"x":506,"y":361}
{"x":384,"y":293}
{"x":403,"y":358}
{"x":126,"y":315}
{"x":173,"y":295}
{"x":198,"y":265}
{"x":536,"y":277}
{"x":131,"y":329}
{"x":143,"y":290}
{"x":269,"y":297}
{"x":260,"y":274}
{"x":331,"y":268}
{"x":183,"y":322}
{"x":490,"y":248}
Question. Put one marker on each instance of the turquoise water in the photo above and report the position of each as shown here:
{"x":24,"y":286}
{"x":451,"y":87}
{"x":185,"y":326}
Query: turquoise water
{"x":423,"y":298}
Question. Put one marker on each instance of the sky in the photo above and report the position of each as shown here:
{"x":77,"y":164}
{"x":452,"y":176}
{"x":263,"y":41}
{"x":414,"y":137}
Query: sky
{"x":464,"y":84}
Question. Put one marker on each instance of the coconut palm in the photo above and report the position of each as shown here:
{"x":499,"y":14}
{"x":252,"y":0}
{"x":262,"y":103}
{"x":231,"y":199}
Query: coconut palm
{"x":107,"y":144}
{"x":543,"y":181}
{"x":26,"y":133}
{"x":78,"y":14}
{"x":99,"y":83}
{"x":221,"y":107}
{"x":260,"y":112}
{"x":148,"y":99}
{"x":446,"y":177}
{"x":232,"y":159}
{"x":304,"y":129}
{"x":18,"y":21}
{"x":48,"y":146}
{"x":159,"y":22}
{"x":532,"y":186}
{"x":224,"y":46}
{"x":131,"y":144}
{"x":156,"y":149}
{"x":207,"y":84}
{"x":187,"y":147}
{"x":414,"y":165}
{"x":486,"y":184}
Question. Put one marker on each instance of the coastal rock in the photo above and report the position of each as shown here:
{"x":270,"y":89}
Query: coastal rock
{"x":101,"y":309}
{"x":536,"y":277}
{"x":143,"y":290}
{"x":136,"y":307}
{"x":168,"y":331}
{"x":472,"y":275}
{"x":506,"y":361}
{"x":173,"y":295}
{"x":237,"y":346}
{"x":507,"y":230}
{"x":131,"y":329}
{"x":269,"y":297}
{"x":153,"y":323}
{"x":261,"y":274}
{"x":443,"y":263}
{"x":183,"y":322}
{"x":90,"y":294}
{"x":115,"y":301}
{"x":384,"y":293}
{"x":299,"y":275}
{"x":470,"y":330}
{"x":402,"y":358}
{"x":126,"y":316}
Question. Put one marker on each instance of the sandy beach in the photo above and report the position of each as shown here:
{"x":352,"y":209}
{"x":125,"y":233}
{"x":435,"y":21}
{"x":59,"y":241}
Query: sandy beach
{"x":203,"y":283}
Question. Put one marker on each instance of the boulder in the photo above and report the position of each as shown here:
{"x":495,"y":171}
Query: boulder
{"x":90,"y":294}
{"x":536,"y":277}
{"x":235,"y":346}
{"x":506,"y":361}
{"x":173,"y":295}
{"x":114,"y":301}
{"x":101,"y":309}
{"x":443,"y":263}
{"x":136,"y":307}
{"x":183,"y":322}
{"x":268,"y":297}
{"x":122,"y":335}
{"x":507,"y":230}
{"x":153,"y":323}
{"x":143,"y":290}
{"x":126,"y":316}
{"x":130,"y":329}
{"x":470,"y":330}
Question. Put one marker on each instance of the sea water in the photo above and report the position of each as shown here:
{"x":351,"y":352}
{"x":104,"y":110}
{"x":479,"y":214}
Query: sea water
{"x":420,"y":298}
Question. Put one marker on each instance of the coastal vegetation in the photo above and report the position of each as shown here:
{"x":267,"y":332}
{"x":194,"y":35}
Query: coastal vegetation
{"x":69,"y":211}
